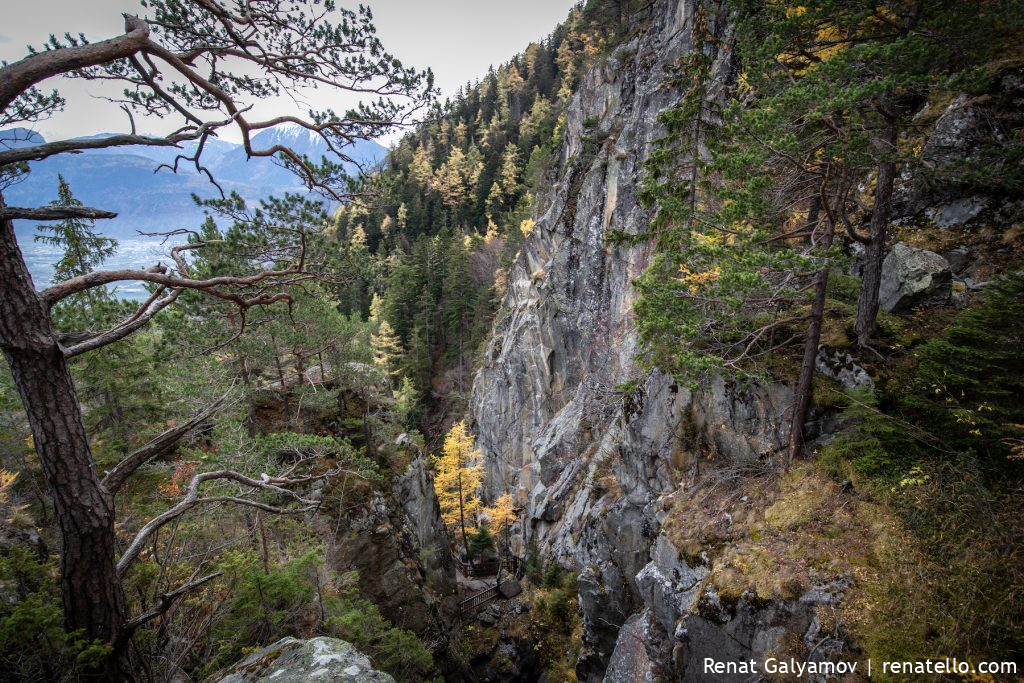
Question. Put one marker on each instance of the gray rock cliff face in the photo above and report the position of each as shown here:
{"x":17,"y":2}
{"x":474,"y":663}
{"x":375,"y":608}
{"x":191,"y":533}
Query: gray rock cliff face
{"x":399,"y":546}
{"x":595,"y":464}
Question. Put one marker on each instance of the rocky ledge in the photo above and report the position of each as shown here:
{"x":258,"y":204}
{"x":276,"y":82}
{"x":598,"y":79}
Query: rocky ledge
{"x":290,"y":660}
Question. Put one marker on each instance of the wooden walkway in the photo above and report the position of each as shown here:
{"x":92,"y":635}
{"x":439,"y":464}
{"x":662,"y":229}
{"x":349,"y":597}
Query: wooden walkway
{"x":470,"y":605}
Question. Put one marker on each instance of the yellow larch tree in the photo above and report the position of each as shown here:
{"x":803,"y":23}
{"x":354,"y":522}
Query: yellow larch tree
{"x":459,"y":474}
{"x":502,"y":515}
{"x":386,"y":346}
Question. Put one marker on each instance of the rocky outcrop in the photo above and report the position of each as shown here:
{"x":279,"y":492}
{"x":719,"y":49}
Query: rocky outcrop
{"x":564,"y":338}
{"x":593,"y":447}
{"x":299,"y":661}
{"x":913,"y":277}
{"x":949,"y":186}
{"x":839,"y":366}
{"x":630,"y":663}
{"x":399,"y":546}
{"x":423,"y":529}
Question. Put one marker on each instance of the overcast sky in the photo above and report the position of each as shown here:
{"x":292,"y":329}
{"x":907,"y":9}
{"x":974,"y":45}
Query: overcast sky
{"x":458,"y":39}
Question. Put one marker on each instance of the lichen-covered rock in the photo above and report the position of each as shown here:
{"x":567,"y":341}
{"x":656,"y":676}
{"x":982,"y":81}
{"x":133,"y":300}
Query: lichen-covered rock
{"x":667,"y":584}
{"x":840,"y":366}
{"x":306,"y":661}
{"x":630,"y":662}
{"x":960,"y":131}
{"x":913,"y":277}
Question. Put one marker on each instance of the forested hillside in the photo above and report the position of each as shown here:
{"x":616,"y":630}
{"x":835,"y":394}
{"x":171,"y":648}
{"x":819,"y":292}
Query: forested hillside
{"x":454,"y":202}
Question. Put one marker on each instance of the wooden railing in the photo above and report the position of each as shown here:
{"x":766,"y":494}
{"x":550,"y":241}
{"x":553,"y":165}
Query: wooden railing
{"x":468,"y":606}
{"x":479,"y":568}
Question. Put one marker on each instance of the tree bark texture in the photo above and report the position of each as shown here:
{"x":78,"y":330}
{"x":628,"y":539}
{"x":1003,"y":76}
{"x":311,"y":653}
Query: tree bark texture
{"x":90,"y":589}
{"x":874,"y":250}
{"x":802,"y":394}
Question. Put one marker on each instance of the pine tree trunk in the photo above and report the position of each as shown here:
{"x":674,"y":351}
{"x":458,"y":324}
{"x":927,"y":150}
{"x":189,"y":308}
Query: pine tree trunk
{"x":874,"y":250}
{"x":90,"y":589}
{"x":250,"y":406}
{"x":802,"y":395}
{"x":462,"y":522}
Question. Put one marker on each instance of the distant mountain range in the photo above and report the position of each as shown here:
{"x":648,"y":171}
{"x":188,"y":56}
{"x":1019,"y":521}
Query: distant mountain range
{"x":124,"y":179}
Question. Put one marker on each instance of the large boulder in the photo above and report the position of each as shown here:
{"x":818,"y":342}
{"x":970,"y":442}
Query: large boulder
{"x":290,"y":660}
{"x":913,"y":277}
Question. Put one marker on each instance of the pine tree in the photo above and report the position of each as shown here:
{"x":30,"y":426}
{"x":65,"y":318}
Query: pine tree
{"x":481,"y":545}
{"x":83,"y":248}
{"x":736,"y":248}
{"x":406,"y":401}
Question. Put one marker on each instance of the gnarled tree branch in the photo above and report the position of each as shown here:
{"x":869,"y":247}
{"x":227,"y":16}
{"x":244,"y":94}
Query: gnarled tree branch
{"x":192,"y":499}
{"x":165,"y":602}
{"x":53,"y":213}
{"x":18,"y":77}
{"x":160,"y":445}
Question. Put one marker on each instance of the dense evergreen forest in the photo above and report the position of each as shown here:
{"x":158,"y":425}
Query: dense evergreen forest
{"x":281,"y":441}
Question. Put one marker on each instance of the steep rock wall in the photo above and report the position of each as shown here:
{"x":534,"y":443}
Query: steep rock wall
{"x":594,"y":464}
{"x":398,"y":544}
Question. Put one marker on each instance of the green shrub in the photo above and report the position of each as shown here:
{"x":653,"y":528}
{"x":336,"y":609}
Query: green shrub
{"x":872,"y":441}
{"x":481,"y":544}
{"x":33,"y":643}
{"x":532,"y":562}
{"x":554,"y":576}
{"x":296,"y":599}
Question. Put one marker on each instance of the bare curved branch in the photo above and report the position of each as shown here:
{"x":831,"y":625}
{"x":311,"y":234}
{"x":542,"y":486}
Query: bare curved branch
{"x":49,"y":149}
{"x":158,"y":275}
{"x":54,"y":213}
{"x":192,"y":499}
{"x":160,"y":445}
{"x":125,"y":328}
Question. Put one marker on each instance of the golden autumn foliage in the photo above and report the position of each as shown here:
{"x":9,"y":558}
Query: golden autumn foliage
{"x":387,"y":349}
{"x":459,"y":474}
{"x":6,"y":481}
{"x":501,"y":514}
